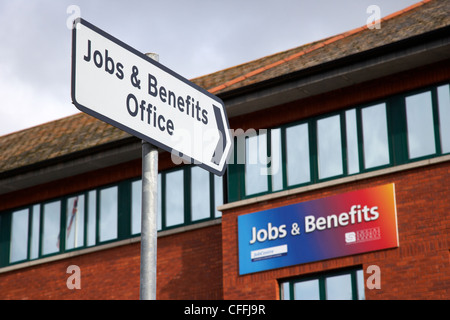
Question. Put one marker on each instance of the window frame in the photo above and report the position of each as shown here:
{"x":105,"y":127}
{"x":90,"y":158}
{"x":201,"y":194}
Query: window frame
{"x":322,"y":277}
{"x":397,"y":143}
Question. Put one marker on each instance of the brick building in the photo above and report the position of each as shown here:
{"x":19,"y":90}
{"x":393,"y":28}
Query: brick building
{"x":336,"y":118}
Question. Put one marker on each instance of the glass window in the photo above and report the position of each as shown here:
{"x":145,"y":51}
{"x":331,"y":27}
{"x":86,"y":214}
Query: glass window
{"x":218,"y":195}
{"x":339,"y":287}
{"x":75,"y":222}
{"x":297,"y":149}
{"x":200,"y":197}
{"x":352,"y":141}
{"x":256,"y":164}
{"x":420,"y":128}
{"x":159,"y":217}
{"x":360,"y":284}
{"x":136,"y":206}
{"x":275,"y":159}
{"x":108,"y":214}
{"x":285,"y":292}
{"x":19,"y":236}
{"x":375,"y":136}
{"x":91,"y":217}
{"x":346,"y":285}
{"x":174,"y":198}
{"x":307,"y":290}
{"x":444,"y":116}
{"x":35,"y":223}
{"x":329,"y":147}
{"x":51,"y":227}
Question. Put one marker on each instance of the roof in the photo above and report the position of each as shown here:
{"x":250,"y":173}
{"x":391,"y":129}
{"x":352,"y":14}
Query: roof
{"x":79,"y":132}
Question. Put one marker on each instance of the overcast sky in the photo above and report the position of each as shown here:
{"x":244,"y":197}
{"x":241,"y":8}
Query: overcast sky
{"x":192,"y":37}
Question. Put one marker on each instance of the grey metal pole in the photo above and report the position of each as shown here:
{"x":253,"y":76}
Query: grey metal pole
{"x":148,"y":218}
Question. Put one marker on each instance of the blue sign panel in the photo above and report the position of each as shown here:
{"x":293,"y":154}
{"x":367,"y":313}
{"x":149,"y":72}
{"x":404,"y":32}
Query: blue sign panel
{"x":345,"y":224}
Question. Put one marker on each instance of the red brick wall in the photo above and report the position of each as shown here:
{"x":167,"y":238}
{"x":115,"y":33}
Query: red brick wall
{"x":189,"y":267}
{"x":417,"y":269}
{"x":190,"y":264}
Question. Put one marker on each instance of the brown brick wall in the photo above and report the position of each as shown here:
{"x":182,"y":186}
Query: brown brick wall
{"x":189,"y":267}
{"x":417,"y":269}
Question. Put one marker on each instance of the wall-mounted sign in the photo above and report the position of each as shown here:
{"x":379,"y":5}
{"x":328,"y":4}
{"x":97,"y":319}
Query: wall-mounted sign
{"x":340,"y":225}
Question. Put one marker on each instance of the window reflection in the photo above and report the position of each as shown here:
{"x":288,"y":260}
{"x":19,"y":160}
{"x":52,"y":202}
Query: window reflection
{"x":108,"y":214}
{"x":136,"y":206}
{"x":285,"y":294}
{"x":218,"y":195}
{"x":420,"y":129}
{"x":92,"y":217}
{"x":200,"y":197}
{"x":375,"y":136}
{"x":339,"y":287}
{"x":35,"y":223}
{"x":276,"y":171}
{"x":19,"y":236}
{"x":174,"y":198}
{"x":360,"y":284}
{"x":307,"y":290}
{"x":329,"y":147}
{"x":75,"y":222}
{"x":352,"y":141}
{"x":444,"y":116}
{"x":51,"y":227}
{"x":297,"y":148}
{"x":256,"y":164}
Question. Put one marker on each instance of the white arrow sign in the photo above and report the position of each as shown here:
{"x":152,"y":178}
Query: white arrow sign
{"x":123,"y":87}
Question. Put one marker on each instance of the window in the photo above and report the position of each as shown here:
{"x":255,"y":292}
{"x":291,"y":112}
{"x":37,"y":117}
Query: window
{"x":19,"y":236}
{"x":420,"y":127}
{"x":136,"y":203}
{"x":443,"y":98}
{"x":351,"y":131}
{"x":341,"y":285}
{"x":256,"y":164}
{"x":75,"y":222}
{"x":297,"y":146}
{"x":51,"y":227}
{"x":307,"y":290}
{"x":218,"y":195}
{"x":329,"y":147}
{"x":190,"y":194}
{"x":174,"y":192}
{"x":108,"y":214}
{"x":200,"y":194}
{"x":91,"y":218}
{"x":35,"y":223}
{"x":276,"y":172}
{"x":400,"y":129}
{"x":375,"y":136}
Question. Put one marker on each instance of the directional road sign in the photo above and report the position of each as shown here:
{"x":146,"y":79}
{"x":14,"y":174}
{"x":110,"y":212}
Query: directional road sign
{"x":123,"y":87}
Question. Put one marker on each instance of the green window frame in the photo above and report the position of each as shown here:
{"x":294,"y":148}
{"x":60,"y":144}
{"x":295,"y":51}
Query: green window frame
{"x":49,"y":227}
{"x":356,"y":140}
{"x":190,"y":203}
{"x":336,"y":285}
